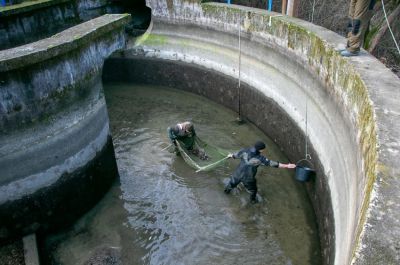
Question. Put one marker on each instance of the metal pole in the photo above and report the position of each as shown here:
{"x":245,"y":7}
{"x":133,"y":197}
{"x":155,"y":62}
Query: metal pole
{"x":284,"y":7}
{"x":292,"y":8}
{"x":269,"y":5}
{"x":228,"y":1}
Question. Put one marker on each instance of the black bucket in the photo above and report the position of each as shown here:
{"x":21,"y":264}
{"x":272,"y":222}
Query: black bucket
{"x":303,"y":173}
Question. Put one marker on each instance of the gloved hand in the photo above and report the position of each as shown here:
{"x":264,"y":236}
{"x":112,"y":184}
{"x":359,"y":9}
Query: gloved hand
{"x":230,"y":155}
{"x":174,"y":142}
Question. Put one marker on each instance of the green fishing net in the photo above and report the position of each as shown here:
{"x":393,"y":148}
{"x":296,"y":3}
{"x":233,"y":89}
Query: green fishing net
{"x":215,"y":155}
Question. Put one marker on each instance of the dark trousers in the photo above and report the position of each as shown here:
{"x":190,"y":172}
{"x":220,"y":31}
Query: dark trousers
{"x":250,"y":185}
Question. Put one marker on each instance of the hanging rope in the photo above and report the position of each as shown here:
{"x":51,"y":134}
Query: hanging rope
{"x":239,"y":66}
{"x":307,"y":156}
{"x":240,"y":48}
{"x":390,"y":29}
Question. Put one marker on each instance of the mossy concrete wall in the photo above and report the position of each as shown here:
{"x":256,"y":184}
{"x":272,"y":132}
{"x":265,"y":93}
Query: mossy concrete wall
{"x":56,"y":153}
{"x":351,"y":107}
{"x":31,"y":21}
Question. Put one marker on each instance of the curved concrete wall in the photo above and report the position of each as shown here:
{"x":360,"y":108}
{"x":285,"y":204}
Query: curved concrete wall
{"x":56,"y":154}
{"x":33,"y":20}
{"x":292,"y":64}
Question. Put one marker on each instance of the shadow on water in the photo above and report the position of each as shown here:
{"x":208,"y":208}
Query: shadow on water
{"x":162,"y":212}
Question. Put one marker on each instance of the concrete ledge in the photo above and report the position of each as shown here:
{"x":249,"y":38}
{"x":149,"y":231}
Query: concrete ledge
{"x":56,"y":152}
{"x":34,"y":20}
{"x":28,"y":6}
{"x":61,"y":43}
{"x":31,"y":21}
{"x":351,"y":102}
{"x":33,"y":94}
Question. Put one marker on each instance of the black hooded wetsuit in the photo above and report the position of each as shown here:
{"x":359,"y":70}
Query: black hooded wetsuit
{"x":250,"y":160}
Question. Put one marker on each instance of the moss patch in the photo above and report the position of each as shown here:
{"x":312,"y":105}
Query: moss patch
{"x":156,"y":40}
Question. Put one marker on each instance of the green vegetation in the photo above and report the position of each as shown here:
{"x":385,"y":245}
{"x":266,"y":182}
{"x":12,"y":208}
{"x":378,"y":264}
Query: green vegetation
{"x":156,"y":40}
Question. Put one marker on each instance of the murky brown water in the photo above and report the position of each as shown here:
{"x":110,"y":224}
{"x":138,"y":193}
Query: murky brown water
{"x":162,"y":212}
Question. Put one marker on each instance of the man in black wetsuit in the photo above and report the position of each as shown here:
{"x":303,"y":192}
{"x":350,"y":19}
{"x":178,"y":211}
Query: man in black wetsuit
{"x":250,"y":159}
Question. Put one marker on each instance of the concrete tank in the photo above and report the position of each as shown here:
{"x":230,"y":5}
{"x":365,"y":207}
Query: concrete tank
{"x":287,"y":66}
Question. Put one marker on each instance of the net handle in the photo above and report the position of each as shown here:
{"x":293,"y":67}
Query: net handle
{"x":211,"y":165}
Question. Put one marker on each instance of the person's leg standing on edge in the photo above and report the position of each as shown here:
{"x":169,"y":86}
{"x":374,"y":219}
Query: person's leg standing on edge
{"x":360,"y":13}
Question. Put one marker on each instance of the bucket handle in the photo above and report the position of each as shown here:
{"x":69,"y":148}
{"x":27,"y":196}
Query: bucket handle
{"x":306,"y":161}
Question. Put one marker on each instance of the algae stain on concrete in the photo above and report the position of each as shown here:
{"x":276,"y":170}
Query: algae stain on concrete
{"x":156,"y":40}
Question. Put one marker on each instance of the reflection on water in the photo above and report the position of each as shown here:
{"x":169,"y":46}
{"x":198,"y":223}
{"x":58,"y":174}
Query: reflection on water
{"x":162,"y":212}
